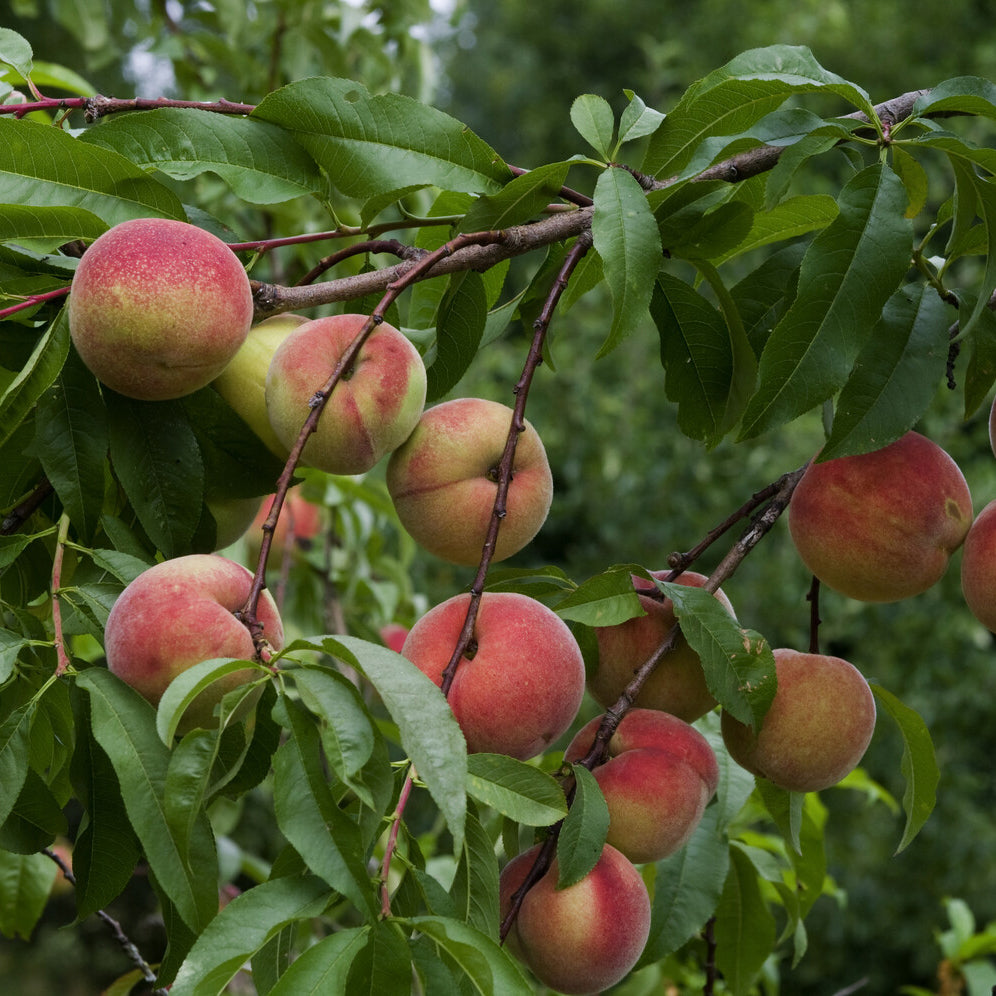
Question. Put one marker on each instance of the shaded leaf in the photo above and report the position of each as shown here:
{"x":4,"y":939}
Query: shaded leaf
{"x":582,"y":836}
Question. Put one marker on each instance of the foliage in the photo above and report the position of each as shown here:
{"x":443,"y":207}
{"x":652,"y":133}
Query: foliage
{"x":772,"y":304}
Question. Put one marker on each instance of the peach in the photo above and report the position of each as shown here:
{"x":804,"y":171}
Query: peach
{"x":299,"y":522}
{"x":658,"y":777}
{"x":992,"y":428}
{"x":882,"y":526}
{"x":817,"y":728}
{"x":243,"y":382}
{"x":393,"y":636}
{"x":444,"y":480}
{"x":978,"y":567}
{"x":677,"y":685}
{"x":178,"y":613}
{"x":586,"y":937}
{"x":232,"y":518}
{"x":371,"y":411}
{"x":158,"y":308}
{"x":520,"y":684}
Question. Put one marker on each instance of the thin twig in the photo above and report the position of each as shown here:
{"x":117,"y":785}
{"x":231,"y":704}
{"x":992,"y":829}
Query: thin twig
{"x":62,"y":658}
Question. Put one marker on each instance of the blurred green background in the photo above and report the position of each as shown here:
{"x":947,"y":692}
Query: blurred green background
{"x":629,"y":486}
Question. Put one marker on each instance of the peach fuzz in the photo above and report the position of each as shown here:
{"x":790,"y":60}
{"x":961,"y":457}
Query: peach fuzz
{"x":372,"y":409}
{"x":444,"y":481}
{"x":521,"y":684}
{"x":586,"y":937}
{"x":882,"y":526}
{"x":677,"y":685}
{"x":178,"y":613}
{"x":243,"y":382}
{"x":158,"y":308}
{"x":978,"y":568}
{"x":659,"y":775}
{"x":817,"y":728}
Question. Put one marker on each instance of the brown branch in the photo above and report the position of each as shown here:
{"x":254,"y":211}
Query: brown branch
{"x":20,"y":514}
{"x":373,"y":246}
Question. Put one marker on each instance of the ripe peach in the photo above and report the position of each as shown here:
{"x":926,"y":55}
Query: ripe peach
{"x":393,"y":636}
{"x":677,"y":685}
{"x":658,"y":778}
{"x":817,"y":728}
{"x":443,"y":481}
{"x":522,"y":681}
{"x":158,"y":308}
{"x":299,"y":522}
{"x":371,"y":411}
{"x":978,"y":567}
{"x":178,"y":613}
{"x":586,"y":937}
{"x":882,"y":526}
{"x":243,"y":382}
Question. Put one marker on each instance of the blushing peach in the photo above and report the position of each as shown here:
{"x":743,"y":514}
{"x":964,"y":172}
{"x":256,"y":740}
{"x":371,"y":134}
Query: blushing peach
{"x":444,"y":481}
{"x":677,"y":685}
{"x":817,"y":728}
{"x":659,"y":775}
{"x":978,"y":567}
{"x":371,"y":411}
{"x":158,"y":308}
{"x":522,"y":683}
{"x":882,"y":526}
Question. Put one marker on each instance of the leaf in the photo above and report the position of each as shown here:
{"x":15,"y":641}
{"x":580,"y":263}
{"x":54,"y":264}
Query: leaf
{"x":71,"y":441}
{"x":371,"y":144}
{"x":607,"y":599}
{"x":518,"y":201}
{"x":515,"y":789}
{"x":848,"y":273}
{"x":459,"y":327}
{"x":382,"y":965}
{"x":582,"y":836}
{"x":791,"y":218}
{"x":14,"y":755}
{"x":123,"y":727}
{"x":914,"y":178}
{"x":260,"y":161}
{"x":628,"y":241}
{"x":15,"y":51}
{"x":738,"y":664}
{"x":155,"y":456}
{"x":895,"y":375}
{"x":592,"y":116}
{"x":919,"y":764}
{"x":50,"y":227}
{"x":745,"y":928}
{"x":486,"y":966}
{"x":981,"y":370}
{"x":44,"y":165}
{"x":243,"y":927}
{"x":475,"y":886}
{"x":35,"y":377}
{"x":986,"y":193}
{"x":964,"y":94}
{"x":323,"y":968}
{"x":637,"y":120}
{"x":25,"y":882}
{"x":36,"y":818}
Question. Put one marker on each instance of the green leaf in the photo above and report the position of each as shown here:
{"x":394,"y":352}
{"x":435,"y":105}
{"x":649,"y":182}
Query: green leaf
{"x":919,"y":764}
{"x":986,"y":193}
{"x":14,"y":753}
{"x":47,"y":75}
{"x":35,"y":377}
{"x":895,"y":375}
{"x":592,"y":116}
{"x":488,"y":969}
{"x":582,"y":836}
{"x":964,"y":94}
{"x":607,"y":599}
{"x":25,"y":882}
{"x":687,"y":887}
{"x":981,"y":370}
{"x":848,"y":273}
{"x":518,"y":201}
{"x":71,"y":441}
{"x":372,"y":144}
{"x":515,"y":789}
{"x":261,"y":162}
{"x":323,"y":968}
{"x":475,"y":886}
{"x":123,"y":725}
{"x":745,"y":928}
{"x":637,"y":120}
{"x":914,"y":178}
{"x":460,"y":325}
{"x":738,"y":664}
{"x":243,"y":927}
{"x":628,"y":241}
{"x":44,"y":165}
{"x":788,"y":220}
{"x":15,"y":51}
{"x":36,"y":818}
{"x":382,"y":965}
{"x":155,"y":456}
{"x":48,"y":227}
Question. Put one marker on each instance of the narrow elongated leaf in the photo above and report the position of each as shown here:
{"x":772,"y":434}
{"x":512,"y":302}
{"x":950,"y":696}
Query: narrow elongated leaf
{"x":36,"y":818}
{"x":515,"y":789}
{"x":260,"y":161}
{"x":322,"y":970}
{"x":155,"y":456}
{"x":895,"y":375}
{"x":35,"y":377}
{"x":788,"y":220}
{"x":592,"y":116}
{"x":607,"y":599}
{"x":51,"y":226}
{"x":123,"y":726}
{"x":518,"y":201}
{"x":243,"y":927}
{"x":369,"y":145}
{"x":919,"y":764}
{"x":44,"y":165}
{"x":986,"y":192}
{"x":637,"y":120}
{"x":382,"y":965}
{"x":848,"y":273}
{"x":628,"y":240}
{"x":475,"y":886}
{"x":71,"y":437}
{"x":14,"y":752}
{"x":967,"y":94}
{"x":583,"y":834}
{"x":25,"y":882}
{"x":981,"y":371}
{"x":463,"y":313}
